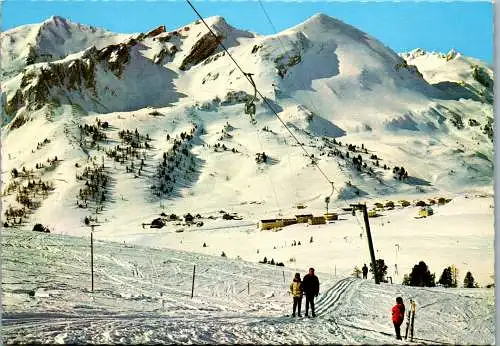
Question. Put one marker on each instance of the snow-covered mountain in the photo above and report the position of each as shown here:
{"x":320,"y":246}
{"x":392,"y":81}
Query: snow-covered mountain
{"x":131,"y":132}
{"x":49,"y":41}
{"x":326,"y":79}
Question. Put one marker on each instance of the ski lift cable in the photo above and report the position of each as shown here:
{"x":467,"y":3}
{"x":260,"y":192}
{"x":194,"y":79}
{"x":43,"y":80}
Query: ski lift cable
{"x":310,"y":99}
{"x":284,"y":51}
{"x":270,"y":177}
{"x":311,"y":102}
{"x":265,"y":99}
{"x":257,"y":90}
{"x":290,"y":167}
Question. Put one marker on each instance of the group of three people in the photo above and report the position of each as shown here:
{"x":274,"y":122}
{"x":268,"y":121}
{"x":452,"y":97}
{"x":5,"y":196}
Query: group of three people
{"x":309,"y":286}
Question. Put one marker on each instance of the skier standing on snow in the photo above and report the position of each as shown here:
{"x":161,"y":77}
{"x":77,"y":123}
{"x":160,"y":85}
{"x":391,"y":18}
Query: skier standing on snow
{"x":310,"y":285}
{"x":398,"y":314}
{"x":365,"y":271}
{"x":296,"y":290}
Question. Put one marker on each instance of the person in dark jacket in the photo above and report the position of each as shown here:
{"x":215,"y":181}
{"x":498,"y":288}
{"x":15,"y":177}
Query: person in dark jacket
{"x":365,"y":271}
{"x":296,"y":291}
{"x":310,"y":286}
{"x":398,"y":315}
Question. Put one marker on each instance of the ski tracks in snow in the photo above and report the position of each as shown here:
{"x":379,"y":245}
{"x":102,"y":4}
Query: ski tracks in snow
{"x":328,"y":302}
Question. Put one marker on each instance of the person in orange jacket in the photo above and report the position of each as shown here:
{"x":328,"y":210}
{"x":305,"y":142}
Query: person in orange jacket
{"x":398,"y":315}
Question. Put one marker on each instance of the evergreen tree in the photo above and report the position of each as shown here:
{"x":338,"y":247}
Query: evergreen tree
{"x":381,"y":270}
{"x":446,"y":278}
{"x":469,"y":281}
{"x":421,"y":276}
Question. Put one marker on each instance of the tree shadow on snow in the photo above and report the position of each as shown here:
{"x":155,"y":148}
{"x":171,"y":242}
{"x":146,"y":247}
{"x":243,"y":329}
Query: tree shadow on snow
{"x":417,"y":181}
{"x":322,"y":127}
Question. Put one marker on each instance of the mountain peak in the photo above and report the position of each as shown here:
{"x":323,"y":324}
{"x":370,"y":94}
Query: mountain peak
{"x":216,"y":20}
{"x":219,"y":23}
{"x":325,"y":21}
{"x":56,"y":20}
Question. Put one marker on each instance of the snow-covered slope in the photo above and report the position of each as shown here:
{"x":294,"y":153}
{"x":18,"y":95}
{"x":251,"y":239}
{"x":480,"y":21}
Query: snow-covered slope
{"x":143,"y":295}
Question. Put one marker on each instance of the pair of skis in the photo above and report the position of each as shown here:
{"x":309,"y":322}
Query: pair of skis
{"x":410,"y":321}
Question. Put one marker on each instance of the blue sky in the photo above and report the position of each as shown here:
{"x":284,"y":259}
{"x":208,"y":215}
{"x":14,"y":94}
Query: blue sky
{"x":440,"y":26}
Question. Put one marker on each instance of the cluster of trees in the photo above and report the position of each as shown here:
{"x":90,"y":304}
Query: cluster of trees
{"x":261,"y":157}
{"x":223,"y":147}
{"x":25,"y":173}
{"x":422,"y":277}
{"x":95,"y":188}
{"x":400,"y":173}
{"x":225,"y":135}
{"x":272,"y":262}
{"x":40,"y":145}
{"x":30,"y":196}
{"x":353,"y":148}
{"x":123,"y":154}
{"x":282,"y":66}
{"x":356,"y":161}
{"x":134,"y":147}
{"x":52,"y":163}
{"x":134,"y":139}
{"x":94,"y":132}
{"x":177,"y":163}
{"x":27,"y":195}
{"x":456,"y":120}
{"x":14,"y":216}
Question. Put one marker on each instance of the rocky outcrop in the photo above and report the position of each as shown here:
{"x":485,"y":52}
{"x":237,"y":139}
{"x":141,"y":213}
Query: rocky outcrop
{"x":201,"y":50}
{"x":36,"y":84}
{"x":480,"y":75}
{"x":452,"y":54}
{"x":235,"y":97}
{"x":164,"y":53}
{"x":40,"y":85}
{"x":159,"y":30}
{"x":163,"y":37}
{"x":403,"y":64}
{"x":116,"y":56}
{"x":11,"y":106}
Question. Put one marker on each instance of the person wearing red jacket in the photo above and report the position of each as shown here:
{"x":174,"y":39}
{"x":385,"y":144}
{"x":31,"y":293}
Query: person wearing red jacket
{"x":398,"y":315}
